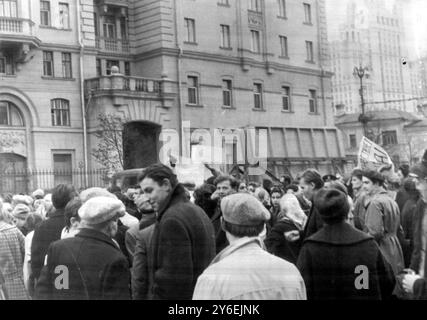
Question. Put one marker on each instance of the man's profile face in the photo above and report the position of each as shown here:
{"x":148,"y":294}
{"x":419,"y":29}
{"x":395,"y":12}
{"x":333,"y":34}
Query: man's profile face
{"x":223,"y":188}
{"x":307,"y":189}
{"x":368,"y":185}
{"x":155,"y":192}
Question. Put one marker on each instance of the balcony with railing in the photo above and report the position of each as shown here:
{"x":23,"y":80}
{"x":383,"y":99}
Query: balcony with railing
{"x":112,"y":45}
{"x":114,"y":3}
{"x":119,"y":87}
{"x":17,"y":30}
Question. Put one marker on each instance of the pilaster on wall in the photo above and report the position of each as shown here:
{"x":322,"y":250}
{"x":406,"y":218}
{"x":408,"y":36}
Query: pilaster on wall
{"x":323,"y":31}
{"x":87,"y":23}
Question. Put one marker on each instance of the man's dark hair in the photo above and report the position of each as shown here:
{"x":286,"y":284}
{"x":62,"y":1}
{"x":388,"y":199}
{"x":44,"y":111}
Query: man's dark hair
{"x":276,"y":189}
{"x":313,"y":176}
{"x":292,"y":187}
{"x":71,"y":211}
{"x":286,"y":179}
{"x":338,"y":186}
{"x":202,"y":198}
{"x":253,"y":184}
{"x":32,"y":221}
{"x":374,"y":176}
{"x":405,"y":170}
{"x":234,"y":184}
{"x":159,"y":172}
{"x":62,"y":194}
{"x":358,"y":173}
{"x":242,"y":231}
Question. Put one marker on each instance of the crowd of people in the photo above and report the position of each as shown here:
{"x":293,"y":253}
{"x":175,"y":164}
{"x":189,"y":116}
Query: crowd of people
{"x":312,"y":237}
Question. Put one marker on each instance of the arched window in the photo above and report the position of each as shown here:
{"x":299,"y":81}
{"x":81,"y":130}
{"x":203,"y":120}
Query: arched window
{"x":10,"y":115}
{"x":60,"y":110}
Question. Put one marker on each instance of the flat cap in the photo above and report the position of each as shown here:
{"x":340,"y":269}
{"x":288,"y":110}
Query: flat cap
{"x":331,"y":204}
{"x":244,"y":209}
{"x":87,"y":194}
{"x":100,"y":209}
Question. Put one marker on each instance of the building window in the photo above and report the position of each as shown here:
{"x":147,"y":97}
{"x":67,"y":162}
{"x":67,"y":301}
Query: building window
{"x":62,"y":169}
{"x":48,"y":70}
{"x":67,"y":70}
{"x":98,"y":67}
{"x":60,"y":110}
{"x":257,"y":95}
{"x":307,"y":13}
{"x":389,"y":138}
{"x":255,"y":5}
{"x":286,"y":98}
{"x":10,"y":115}
{"x":255,"y":44}
{"x":225,"y":36}
{"x":223,"y":2}
{"x":8,"y":8}
{"x":45,"y":13}
{"x":124,"y":28}
{"x":283,"y":46}
{"x":110,"y":64}
{"x":312,"y":101}
{"x":193,"y":88}
{"x":227,"y":93}
{"x":127,"y":68}
{"x":309,"y":49}
{"x":353,"y":142}
{"x":64,"y":16}
{"x":7,"y":65}
{"x":109,"y":27}
{"x":282,"y":8}
{"x":190,"y":28}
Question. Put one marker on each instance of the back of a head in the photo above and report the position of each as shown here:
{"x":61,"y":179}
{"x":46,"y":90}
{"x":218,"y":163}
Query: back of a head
{"x":313,"y":176}
{"x":405,"y":170}
{"x":339,"y":186}
{"x":62,"y":194}
{"x":159,"y":172}
{"x":71,"y":210}
{"x":32,"y":221}
{"x":332,"y":205}
{"x":202,"y":198}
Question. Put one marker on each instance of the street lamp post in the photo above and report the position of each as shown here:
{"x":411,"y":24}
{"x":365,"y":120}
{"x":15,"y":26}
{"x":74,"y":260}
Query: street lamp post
{"x":362,"y":72}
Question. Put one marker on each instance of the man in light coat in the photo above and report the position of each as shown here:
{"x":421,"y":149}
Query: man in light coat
{"x":244,"y":270}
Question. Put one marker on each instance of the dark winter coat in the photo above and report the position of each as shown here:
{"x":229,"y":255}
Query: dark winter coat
{"x":314,"y":223}
{"x":221,"y":241}
{"x":97,"y":269}
{"x":46,"y":233}
{"x":329,"y":259}
{"x":407,"y":217}
{"x":183,"y":245}
{"x":420,"y":285}
{"x":277,"y":244}
{"x":401,"y":197}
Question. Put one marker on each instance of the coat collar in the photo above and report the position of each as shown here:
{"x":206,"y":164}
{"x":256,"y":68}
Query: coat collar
{"x":97,"y":235}
{"x":339,"y":234}
{"x":232,"y":248}
{"x":57,"y":213}
{"x":177,"y":195}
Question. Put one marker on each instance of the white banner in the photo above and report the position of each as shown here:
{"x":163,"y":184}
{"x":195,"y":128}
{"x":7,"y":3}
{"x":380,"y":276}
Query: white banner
{"x":372,"y":156}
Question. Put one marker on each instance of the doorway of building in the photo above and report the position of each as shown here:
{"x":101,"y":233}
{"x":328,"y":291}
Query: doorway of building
{"x":140,"y":144}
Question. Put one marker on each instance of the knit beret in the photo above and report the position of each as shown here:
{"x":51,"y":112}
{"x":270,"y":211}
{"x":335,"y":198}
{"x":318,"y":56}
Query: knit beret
{"x":331,"y":204}
{"x":101,"y":209}
{"x":244,"y":209}
{"x":21,"y":211}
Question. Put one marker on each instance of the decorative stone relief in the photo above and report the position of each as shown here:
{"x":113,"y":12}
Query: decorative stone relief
{"x":13,"y":142}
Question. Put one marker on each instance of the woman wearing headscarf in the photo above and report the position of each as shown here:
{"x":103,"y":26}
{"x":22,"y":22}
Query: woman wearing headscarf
{"x":12,"y":259}
{"x":290,"y":218}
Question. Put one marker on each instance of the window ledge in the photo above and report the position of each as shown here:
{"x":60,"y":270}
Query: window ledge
{"x":310,"y":61}
{"x":284,"y":57}
{"x":314,"y":113}
{"x":223,"y":5}
{"x":308,"y":23}
{"x":228,"y":107}
{"x":226,"y":48}
{"x":191,"y":43}
{"x":58,"y":78}
{"x":194,"y":105}
{"x":282,"y":17}
{"x":62,"y":126}
{"x":258,"y":109}
{"x":287,"y":111}
{"x":7,"y":75}
{"x":54,"y":28}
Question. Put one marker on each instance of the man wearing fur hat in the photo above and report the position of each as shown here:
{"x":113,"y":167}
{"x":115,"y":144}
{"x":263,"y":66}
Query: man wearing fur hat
{"x":89,"y":265}
{"x":244,"y":270}
{"x":415,"y":282}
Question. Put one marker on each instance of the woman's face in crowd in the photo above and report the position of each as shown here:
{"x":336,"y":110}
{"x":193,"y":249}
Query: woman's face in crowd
{"x":242,"y":187}
{"x":356,"y":183}
{"x":275,"y":199}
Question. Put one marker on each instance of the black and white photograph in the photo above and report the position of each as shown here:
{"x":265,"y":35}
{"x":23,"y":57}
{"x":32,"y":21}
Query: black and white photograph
{"x":213,"y":150}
